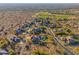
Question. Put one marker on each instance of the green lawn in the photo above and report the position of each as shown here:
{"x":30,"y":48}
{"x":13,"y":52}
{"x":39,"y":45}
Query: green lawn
{"x":46,"y":15}
{"x":62,"y":16}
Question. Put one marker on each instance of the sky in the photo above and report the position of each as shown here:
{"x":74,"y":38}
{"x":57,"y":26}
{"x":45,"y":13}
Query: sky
{"x":38,"y":6}
{"x":39,"y":1}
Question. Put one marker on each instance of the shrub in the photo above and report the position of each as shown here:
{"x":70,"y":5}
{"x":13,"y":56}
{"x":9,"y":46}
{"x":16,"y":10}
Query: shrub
{"x":40,"y":52}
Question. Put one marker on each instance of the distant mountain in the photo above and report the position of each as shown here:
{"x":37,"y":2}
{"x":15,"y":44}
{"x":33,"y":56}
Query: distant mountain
{"x":38,"y":5}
